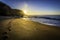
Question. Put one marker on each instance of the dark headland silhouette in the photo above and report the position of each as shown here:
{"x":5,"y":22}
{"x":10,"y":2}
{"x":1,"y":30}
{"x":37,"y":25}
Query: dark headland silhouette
{"x":6,"y":10}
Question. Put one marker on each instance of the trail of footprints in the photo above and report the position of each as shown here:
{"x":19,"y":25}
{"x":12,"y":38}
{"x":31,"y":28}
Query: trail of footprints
{"x":5,"y":35}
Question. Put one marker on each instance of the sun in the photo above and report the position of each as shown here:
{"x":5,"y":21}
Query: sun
{"x":25,"y":8}
{"x":25,"y":11}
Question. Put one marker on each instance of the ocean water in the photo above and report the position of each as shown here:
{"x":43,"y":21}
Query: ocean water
{"x":53,"y":20}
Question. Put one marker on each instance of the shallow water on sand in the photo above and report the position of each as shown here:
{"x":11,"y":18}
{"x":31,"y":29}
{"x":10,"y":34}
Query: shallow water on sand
{"x":51,"y":20}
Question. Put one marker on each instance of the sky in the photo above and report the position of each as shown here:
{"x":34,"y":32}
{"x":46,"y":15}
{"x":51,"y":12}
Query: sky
{"x":35,"y":7}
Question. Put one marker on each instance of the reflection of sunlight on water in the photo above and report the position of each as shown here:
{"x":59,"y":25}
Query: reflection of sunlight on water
{"x":25,"y":18}
{"x":44,"y":21}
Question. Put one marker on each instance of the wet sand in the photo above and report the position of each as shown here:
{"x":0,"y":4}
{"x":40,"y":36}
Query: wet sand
{"x":21,"y":29}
